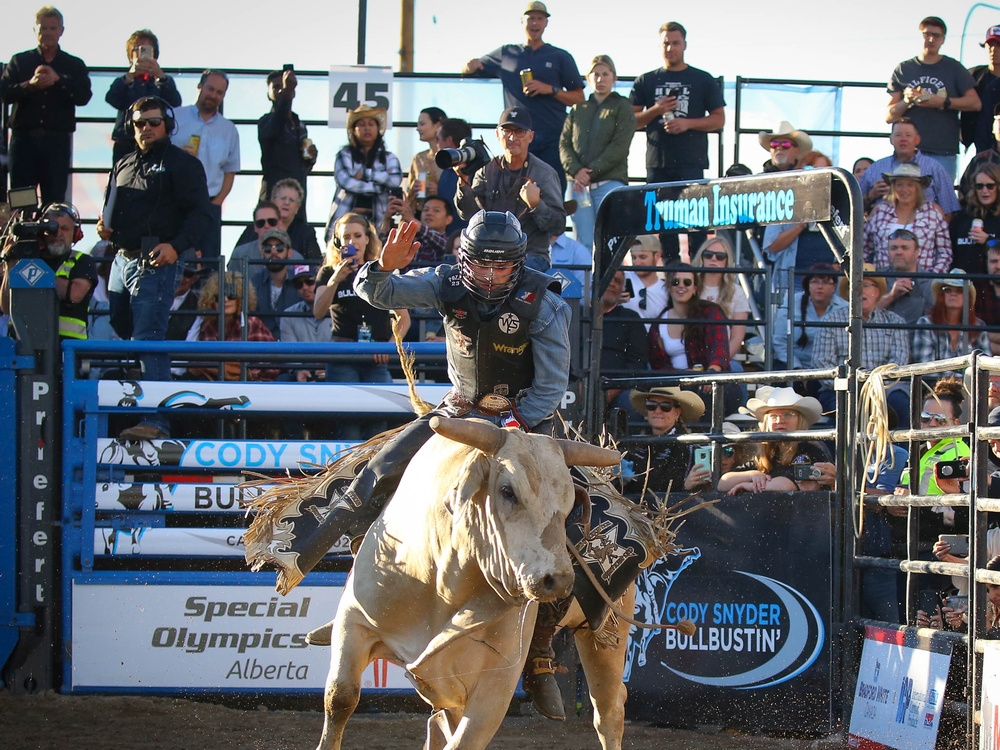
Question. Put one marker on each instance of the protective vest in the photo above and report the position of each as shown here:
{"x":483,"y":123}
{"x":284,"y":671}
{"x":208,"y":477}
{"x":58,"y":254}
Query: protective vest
{"x":72,"y":317}
{"x":491,"y":352}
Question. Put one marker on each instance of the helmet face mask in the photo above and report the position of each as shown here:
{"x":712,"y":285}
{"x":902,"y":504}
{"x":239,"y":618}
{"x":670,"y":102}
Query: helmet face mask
{"x":491,"y":255}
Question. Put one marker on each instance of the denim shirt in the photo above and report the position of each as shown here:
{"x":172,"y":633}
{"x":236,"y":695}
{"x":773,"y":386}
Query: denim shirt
{"x":549,"y":332}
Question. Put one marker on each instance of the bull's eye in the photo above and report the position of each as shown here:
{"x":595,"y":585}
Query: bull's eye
{"x":507,"y":493}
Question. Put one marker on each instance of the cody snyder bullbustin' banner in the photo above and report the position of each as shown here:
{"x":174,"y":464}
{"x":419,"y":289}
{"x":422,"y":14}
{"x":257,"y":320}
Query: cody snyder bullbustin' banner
{"x":754,"y":576}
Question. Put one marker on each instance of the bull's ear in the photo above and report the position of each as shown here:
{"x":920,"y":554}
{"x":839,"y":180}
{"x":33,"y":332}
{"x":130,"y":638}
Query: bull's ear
{"x":471,"y":480}
{"x":576,"y":453}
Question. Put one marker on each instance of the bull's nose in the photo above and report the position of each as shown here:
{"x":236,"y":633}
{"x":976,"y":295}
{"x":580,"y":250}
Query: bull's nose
{"x":551,"y":586}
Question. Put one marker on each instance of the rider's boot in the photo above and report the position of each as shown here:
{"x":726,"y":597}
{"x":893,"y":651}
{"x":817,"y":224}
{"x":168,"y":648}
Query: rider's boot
{"x":541,"y":667}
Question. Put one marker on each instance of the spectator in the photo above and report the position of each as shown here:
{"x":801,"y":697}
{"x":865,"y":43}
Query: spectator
{"x":663,"y":467}
{"x":594,"y":146}
{"x":696,"y":345}
{"x":785,"y":144}
{"x":99,"y":322}
{"x":435,"y":221}
{"x":773,"y":468}
{"x":565,"y":251}
{"x":624,"y":346}
{"x":702,"y":480}
{"x":905,"y":139}
{"x":184,"y":305}
{"x":451,"y":133}
{"x":526,"y":187}
{"x":178,"y":213}
{"x":285,"y":149}
{"x":860,"y":167}
{"x":538,"y":78}
{"x":983,"y":158}
{"x":274,"y":294}
{"x":365,"y":171}
{"x":304,"y":326}
{"x":909,"y":298}
{"x":931,"y":89}
{"x":977,"y":127}
{"x":203,"y":132}
{"x":954,"y":305}
{"x":879,"y":346}
{"x":422,"y":179}
{"x":266,"y":217}
{"x":811,"y":305}
{"x":814,"y":159}
{"x":206,"y":327}
{"x":978,"y":222}
{"x":44,"y":87}
{"x":354,"y":244}
{"x":648,"y":295}
{"x":907,"y":207}
{"x":76,"y":272}
{"x":144,"y":77}
{"x":723,"y":289}
{"x":988,"y":296}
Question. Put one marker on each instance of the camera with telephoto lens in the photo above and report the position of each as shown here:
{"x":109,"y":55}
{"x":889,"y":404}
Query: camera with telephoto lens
{"x":23,"y":234}
{"x":472,"y":153}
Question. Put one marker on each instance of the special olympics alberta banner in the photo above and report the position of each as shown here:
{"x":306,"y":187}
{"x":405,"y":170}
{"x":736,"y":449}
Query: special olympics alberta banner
{"x":900,"y":691}
{"x":754,"y":576}
{"x":222,"y":638}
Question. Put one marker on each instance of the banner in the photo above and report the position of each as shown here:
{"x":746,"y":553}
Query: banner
{"x":117,"y":496}
{"x":222,"y":455}
{"x":152,"y":541}
{"x":900,"y":691}
{"x":223,"y":638}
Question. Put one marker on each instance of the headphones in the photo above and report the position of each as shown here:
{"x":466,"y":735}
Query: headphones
{"x":67,"y":209}
{"x":165,"y":108}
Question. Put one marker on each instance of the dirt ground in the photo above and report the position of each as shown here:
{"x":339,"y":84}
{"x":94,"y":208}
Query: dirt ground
{"x":58,"y":722}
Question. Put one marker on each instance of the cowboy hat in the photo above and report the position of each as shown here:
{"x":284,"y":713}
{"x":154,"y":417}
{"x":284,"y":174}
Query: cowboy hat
{"x":907,"y":171}
{"x":785,"y":128}
{"x":359,"y":113}
{"x":692,"y":407}
{"x":769,"y":398}
{"x":938,"y":284}
{"x":868,"y":268}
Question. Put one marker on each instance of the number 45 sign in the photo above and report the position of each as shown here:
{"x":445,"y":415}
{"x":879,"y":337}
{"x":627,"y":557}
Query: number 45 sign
{"x":354,"y":85}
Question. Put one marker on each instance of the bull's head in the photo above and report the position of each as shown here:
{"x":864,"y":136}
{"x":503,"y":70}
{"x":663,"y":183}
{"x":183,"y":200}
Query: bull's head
{"x":512,"y":497}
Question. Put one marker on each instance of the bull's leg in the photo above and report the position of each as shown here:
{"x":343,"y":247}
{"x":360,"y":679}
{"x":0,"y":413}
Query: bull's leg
{"x":352,"y":646}
{"x":604,"y":668}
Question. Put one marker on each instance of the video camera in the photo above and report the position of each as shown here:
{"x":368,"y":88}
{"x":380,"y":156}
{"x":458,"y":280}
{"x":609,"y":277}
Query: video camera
{"x":473,"y":154}
{"x":22,"y":234}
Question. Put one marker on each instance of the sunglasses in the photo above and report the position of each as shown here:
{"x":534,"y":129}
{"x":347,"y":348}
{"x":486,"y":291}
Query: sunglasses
{"x":935,"y":418}
{"x":232,"y":297}
{"x":903,"y":234}
{"x":713,"y":255}
{"x":153,"y":122}
{"x":783,"y":144}
{"x":268,"y":249}
{"x":685,"y":282}
{"x":664,"y":406}
{"x":728,"y":451}
{"x":261,"y":223}
{"x":299,"y":283}
{"x":991,"y":186}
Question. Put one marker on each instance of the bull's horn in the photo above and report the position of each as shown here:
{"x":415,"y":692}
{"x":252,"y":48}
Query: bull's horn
{"x":585,"y":454}
{"x":482,"y":435}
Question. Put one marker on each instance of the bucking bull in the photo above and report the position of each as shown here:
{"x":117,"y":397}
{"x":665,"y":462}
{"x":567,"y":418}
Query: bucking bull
{"x":448,"y":579}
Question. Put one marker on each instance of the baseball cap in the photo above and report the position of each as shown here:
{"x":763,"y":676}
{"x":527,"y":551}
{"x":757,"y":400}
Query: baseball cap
{"x":994,"y":420}
{"x":536,"y":6}
{"x":516,"y":116}
{"x":302,"y":270}
{"x":277,"y":234}
{"x":992,"y":35}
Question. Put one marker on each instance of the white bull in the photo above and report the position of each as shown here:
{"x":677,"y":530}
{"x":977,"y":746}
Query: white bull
{"x":447,"y":580}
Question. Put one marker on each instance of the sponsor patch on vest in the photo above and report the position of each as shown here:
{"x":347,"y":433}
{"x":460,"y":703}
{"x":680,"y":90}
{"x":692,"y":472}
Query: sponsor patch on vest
{"x":509,"y":322}
{"x":460,"y":340}
{"x":460,"y":314}
{"x":505,"y":349}
{"x":527,"y":296}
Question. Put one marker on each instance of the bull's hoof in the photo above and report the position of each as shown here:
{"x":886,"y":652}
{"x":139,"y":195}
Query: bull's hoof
{"x":545,"y":693}
{"x":321,"y":636}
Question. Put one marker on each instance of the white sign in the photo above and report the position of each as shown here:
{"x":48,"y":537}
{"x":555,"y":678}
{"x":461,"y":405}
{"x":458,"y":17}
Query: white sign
{"x":899,"y":695}
{"x":232,"y":638}
{"x":354,"y":85}
{"x":989,"y":733}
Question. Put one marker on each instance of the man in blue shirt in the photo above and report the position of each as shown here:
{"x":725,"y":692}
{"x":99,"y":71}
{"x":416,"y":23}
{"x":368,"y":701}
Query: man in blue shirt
{"x":538,"y":77}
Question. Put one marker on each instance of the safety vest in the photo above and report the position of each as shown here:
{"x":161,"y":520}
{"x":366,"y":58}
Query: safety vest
{"x":70,"y":326}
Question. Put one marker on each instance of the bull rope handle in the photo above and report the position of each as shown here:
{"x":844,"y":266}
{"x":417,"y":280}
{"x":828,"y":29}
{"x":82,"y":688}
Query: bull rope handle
{"x":685,"y":626}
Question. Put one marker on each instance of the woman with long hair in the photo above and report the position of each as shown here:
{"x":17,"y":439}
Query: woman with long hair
{"x":977,"y":223}
{"x":723,"y":288}
{"x":906,"y":208}
{"x":954,"y":305}
{"x":422,"y":179}
{"x":696,"y":345}
{"x":365,"y":171}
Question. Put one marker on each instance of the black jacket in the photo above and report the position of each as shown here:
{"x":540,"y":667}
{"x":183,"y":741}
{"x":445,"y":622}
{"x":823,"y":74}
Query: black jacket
{"x":53,"y":108}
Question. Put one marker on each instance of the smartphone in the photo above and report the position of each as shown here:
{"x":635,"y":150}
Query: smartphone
{"x":350,"y":251}
{"x":675,"y":92}
{"x":957,"y":603}
{"x":288,"y":66}
{"x":929,"y":601}
{"x":959,"y":543}
{"x":703,"y":457}
{"x":396,"y":192}
{"x":629,"y":289}
{"x":958,"y":470}
{"x":805,"y":472}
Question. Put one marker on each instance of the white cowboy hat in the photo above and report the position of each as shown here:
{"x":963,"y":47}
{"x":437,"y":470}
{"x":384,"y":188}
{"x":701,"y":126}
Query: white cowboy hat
{"x":785,"y":128}
{"x":769,"y":398}
{"x":692,"y":407}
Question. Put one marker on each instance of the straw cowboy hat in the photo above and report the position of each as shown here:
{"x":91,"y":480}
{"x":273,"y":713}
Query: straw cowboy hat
{"x":869,"y":268}
{"x":769,"y":398}
{"x":359,"y":113}
{"x":785,"y":129}
{"x":692,"y":407}
{"x":907,"y":171}
{"x":938,"y":284}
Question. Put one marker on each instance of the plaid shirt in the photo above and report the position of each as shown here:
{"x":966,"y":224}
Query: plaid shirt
{"x":256,"y":331}
{"x":940,"y":191}
{"x":929,"y":226}
{"x":930,"y":344}
{"x":879,"y":346}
